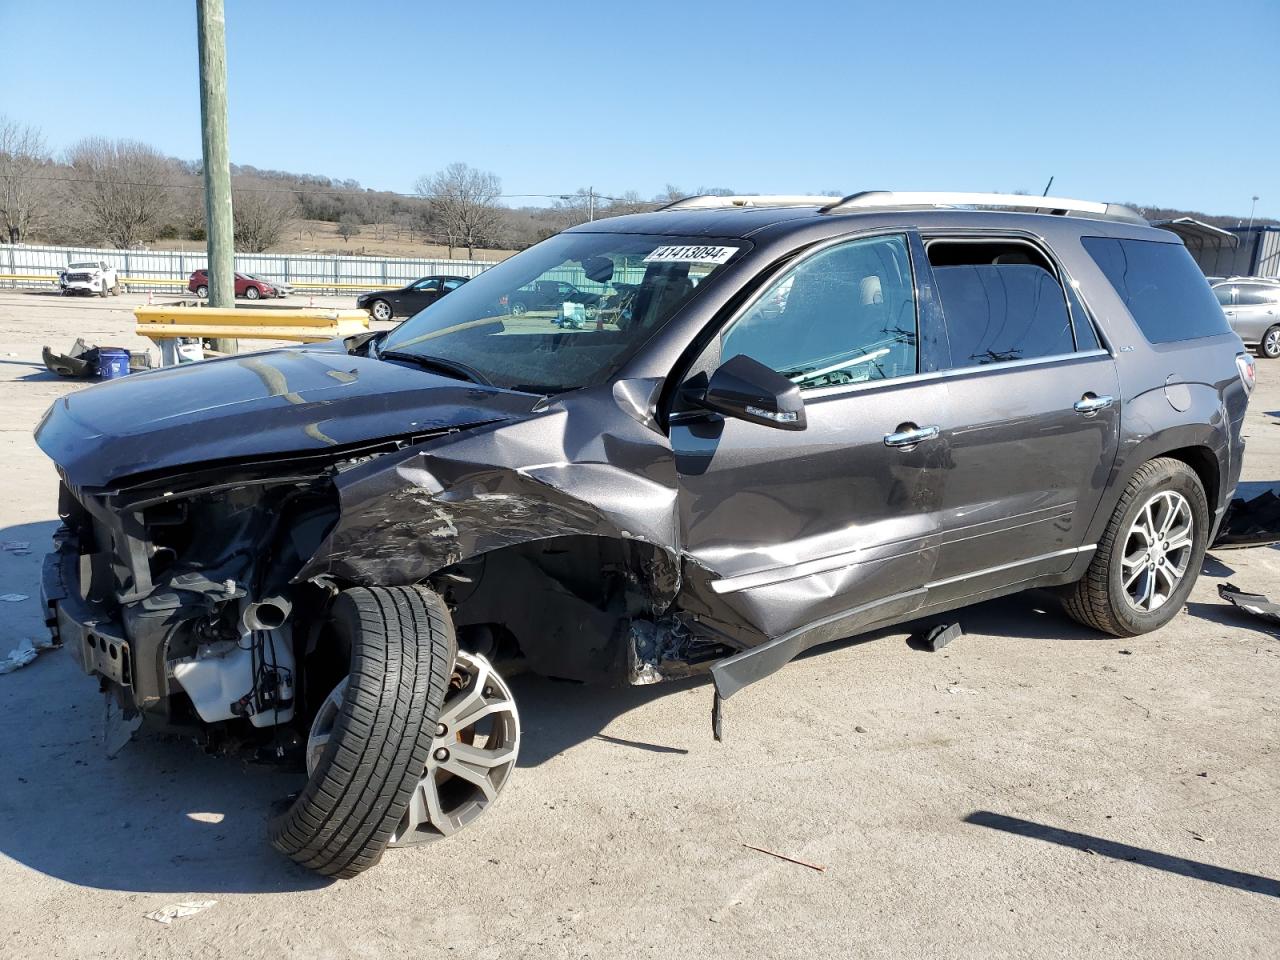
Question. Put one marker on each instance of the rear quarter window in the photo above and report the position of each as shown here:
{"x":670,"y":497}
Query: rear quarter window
{"x":1161,"y":286}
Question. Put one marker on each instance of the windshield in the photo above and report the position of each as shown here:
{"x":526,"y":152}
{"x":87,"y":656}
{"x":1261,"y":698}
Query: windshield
{"x":566,"y":313}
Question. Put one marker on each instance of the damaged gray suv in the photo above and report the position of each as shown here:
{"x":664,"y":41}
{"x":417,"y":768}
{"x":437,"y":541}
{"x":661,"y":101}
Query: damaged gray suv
{"x":781,"y":421}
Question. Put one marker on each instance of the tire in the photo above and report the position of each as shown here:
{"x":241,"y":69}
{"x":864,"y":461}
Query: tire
{"x":1269,"y":345}
{"x":402,"y":653}
{"x":380,"y":310}
{"x":518,"y":309}
{"x":252,"y":293}
{"x":202,"y":292}
{"x":105,"y":291}
{"x":1099,"y":599}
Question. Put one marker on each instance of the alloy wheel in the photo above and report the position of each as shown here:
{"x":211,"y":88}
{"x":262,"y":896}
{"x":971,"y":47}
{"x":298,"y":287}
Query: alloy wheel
{"x":1271,"y":343}
{"x":472,"y":755}
{"x":1157,"y":551}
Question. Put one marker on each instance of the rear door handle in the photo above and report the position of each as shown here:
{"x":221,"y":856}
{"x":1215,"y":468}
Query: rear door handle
{"x":908,"y":435}
{"x":1091,"y":403}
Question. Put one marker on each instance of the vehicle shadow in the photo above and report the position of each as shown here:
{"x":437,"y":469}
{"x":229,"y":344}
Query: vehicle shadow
{"x":1181,"y":866}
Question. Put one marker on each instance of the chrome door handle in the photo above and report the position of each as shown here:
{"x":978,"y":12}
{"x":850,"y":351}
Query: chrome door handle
{"x":1091,"y":404}
{"x":909,"y":438}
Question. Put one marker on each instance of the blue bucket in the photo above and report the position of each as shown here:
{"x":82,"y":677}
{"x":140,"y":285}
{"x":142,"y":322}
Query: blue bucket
{"x":112,"y":362}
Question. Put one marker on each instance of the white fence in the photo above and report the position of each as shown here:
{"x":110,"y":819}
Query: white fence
{"x":169,"y":270}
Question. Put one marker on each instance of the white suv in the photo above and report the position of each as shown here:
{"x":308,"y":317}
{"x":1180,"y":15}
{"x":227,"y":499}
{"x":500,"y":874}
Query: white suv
{"x":89,"y":276}
{"x":1252,"y":306}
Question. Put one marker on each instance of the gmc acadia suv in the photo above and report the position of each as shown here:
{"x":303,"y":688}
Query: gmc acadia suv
{"x":816,"y":417}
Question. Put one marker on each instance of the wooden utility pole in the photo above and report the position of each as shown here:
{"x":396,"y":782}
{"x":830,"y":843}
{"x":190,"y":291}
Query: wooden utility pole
{"x":212,"y":30}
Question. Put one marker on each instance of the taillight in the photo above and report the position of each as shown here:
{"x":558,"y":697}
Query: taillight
{"x":1245,"y":367}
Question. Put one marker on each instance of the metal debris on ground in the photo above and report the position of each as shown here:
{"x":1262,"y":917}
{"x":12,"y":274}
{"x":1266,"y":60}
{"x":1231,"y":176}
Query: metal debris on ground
{"x":176,"y":911}
{"x":16,"y":546}
{"x":24,"y":653}
{"x":13,"y":597}
{"x":783,"y":856}
{"x":1254,"y":603}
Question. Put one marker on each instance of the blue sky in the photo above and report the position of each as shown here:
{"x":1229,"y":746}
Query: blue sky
{"x":1162,"y":103}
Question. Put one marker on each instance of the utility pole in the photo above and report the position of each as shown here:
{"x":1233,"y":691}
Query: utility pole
{"x":591,"y":203}
{"x":1252,"y":208}
{"x":211,"y":29}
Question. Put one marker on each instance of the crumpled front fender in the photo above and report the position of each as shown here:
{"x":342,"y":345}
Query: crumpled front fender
{"x":594,"y":464}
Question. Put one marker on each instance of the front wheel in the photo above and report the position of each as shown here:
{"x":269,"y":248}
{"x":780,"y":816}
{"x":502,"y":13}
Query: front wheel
{"x":374,"y":737}
{"x":381,"y":310}
{"x":252,"y":293}
{"x":1150,"y":554}
{"x":1269,"y":346}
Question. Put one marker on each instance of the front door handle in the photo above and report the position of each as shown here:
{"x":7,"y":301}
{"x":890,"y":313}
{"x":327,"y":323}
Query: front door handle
{"x":908,"y":435}
{"x":1091,"y":403}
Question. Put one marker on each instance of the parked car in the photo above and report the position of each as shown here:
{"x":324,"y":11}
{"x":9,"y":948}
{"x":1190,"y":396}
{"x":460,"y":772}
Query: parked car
{"x":1252,"y":306}
{"x":548,"y":295}
{"x":409,"y":299}
{"x":821,"y":417}
{"x":247,"y":286}
{"x":89,"y":276}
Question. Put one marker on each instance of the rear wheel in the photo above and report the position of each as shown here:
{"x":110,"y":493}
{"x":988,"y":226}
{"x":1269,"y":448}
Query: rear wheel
{"x":366,"y":763}
{"x":518,"y":309}
{"x":202,"y":292}
{"x":1150,"y":554}
{"x":1269,"y":346}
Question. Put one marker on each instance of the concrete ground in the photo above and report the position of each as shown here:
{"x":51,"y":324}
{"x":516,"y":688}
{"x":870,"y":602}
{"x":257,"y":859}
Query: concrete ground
{"x":1034,"y":790}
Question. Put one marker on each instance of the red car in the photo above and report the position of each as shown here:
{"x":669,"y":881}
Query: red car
{"x":251,"y":288}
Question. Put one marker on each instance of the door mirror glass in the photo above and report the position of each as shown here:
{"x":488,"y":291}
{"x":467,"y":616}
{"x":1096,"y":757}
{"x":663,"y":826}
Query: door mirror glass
{"x":748,"y":390}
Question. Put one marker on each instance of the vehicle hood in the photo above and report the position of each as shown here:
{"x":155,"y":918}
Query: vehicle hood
{"x":262,"y":404}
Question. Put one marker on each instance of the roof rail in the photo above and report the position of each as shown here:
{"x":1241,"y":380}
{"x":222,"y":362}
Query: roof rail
{"x":889,"y":199}
{"x":712,"y":202}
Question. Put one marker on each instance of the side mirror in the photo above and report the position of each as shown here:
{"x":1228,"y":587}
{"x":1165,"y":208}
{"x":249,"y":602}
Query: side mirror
{"x":748,"y":390}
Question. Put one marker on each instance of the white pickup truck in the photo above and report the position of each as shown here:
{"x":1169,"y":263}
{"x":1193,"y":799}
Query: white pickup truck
{"x":89,"y":276}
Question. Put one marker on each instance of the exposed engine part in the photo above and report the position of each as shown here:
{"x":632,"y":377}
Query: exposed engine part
{"x":266,"y":614}
{"x":252,"y":678}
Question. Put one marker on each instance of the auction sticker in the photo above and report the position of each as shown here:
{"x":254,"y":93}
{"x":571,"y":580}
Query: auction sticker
{"x":690,"y":254}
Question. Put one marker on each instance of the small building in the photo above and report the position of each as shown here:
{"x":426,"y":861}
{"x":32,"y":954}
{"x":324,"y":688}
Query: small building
{"x":1252,"y":251}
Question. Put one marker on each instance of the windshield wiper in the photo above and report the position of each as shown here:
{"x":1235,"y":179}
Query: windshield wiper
{"x":459,"y":371}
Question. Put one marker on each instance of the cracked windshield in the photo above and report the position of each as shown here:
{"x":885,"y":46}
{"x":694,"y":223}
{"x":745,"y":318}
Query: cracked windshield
{"x":565,"y":314}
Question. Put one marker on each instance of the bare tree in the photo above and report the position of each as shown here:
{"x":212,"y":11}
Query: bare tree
{"x":23,"y":196}
{"x":348,"y":226}
{"x":464,"y":205}
{"x":121,"y":188}
{"x":261,"y":214}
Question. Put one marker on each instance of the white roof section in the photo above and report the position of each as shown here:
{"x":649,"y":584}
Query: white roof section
{"x":1061,"y":206}
{"x":711,"y":202}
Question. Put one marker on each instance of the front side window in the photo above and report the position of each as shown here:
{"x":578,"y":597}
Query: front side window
{"x":1002,"y":302}
{"x":844,"y":315}
{"x":626,"y":287}
{"x":1161,"y":286}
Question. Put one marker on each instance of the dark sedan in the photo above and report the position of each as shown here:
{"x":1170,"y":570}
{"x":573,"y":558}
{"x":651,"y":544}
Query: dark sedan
{"x":408,"y":300}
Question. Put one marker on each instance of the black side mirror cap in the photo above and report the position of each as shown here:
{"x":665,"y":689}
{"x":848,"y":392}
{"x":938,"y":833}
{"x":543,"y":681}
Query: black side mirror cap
{"x":746,"y":389}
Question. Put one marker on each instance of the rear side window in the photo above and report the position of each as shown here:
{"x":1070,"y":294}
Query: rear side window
{"x":1161,"y":286}
{"x":1001,"y":302}
{"x":1257,"y":294}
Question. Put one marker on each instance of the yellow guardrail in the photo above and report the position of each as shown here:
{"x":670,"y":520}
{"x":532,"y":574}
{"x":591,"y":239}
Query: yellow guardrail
{"x":159,"y":322}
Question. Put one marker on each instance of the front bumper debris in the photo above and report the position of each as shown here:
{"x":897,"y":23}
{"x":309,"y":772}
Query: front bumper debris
{"x":95,"y":638}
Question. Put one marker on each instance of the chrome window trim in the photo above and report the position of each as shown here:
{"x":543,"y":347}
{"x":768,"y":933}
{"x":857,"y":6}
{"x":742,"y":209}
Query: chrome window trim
{"x":822,"y":393}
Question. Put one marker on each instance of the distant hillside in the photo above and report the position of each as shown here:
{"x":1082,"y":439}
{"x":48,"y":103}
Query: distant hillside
{"x":1214,"y":220}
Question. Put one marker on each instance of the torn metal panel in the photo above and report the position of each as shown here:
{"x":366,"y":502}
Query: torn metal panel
{"x":1252,"y":518}
{"x":1254,"y":603}
{"x":561,"y":471}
